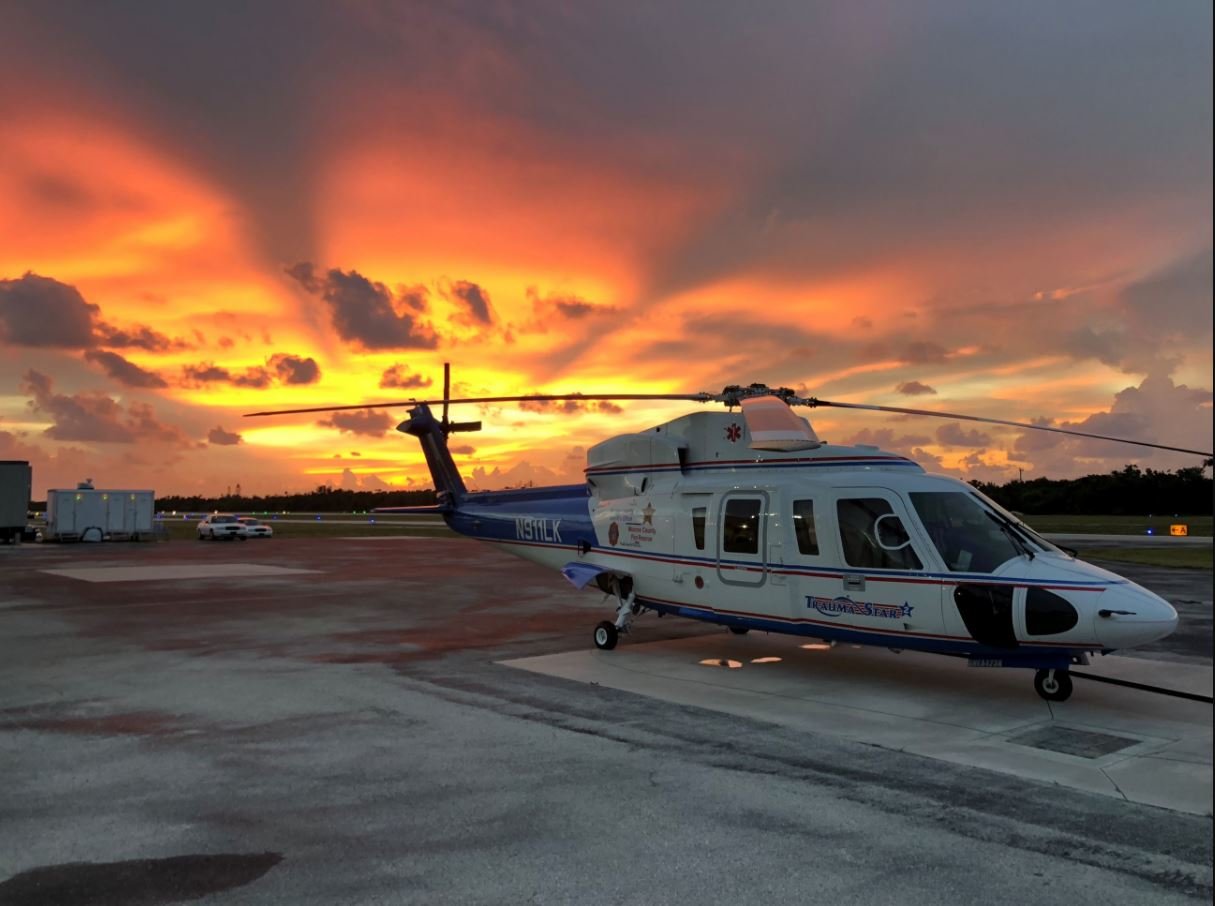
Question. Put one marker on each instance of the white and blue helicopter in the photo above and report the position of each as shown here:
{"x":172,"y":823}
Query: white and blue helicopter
{"x":752,"y":522}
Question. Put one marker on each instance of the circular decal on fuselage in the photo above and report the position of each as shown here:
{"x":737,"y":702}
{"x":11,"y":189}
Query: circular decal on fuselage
{"x":613,"y":534}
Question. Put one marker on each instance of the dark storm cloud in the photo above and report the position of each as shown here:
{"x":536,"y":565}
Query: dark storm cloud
{"x":123,"y":371}
{"x":398,"y":377}
{"x":364,"y":312}
{"x":1177,"y":297}
{"x":95,"y":416}
{"x":218,"y":437}
{"x":914,"y":388}
{"x":954,"y":435}
{"x":41,"y":312}
{"x":474,"y":299}
{"x":369,"y":422}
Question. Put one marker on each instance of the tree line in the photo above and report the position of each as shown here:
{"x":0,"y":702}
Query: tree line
{"x":1125,"y":492}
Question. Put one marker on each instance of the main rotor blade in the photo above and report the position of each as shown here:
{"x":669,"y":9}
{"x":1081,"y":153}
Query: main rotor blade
{"x":530,"y":398}
{"x":812,"y":402}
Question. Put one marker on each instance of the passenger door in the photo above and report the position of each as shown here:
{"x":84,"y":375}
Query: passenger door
{"x":742,"y":539}
{"x":885,"y":584}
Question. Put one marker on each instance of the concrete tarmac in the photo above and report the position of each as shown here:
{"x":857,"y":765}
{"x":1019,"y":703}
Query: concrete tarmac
{"x":335,"y":727}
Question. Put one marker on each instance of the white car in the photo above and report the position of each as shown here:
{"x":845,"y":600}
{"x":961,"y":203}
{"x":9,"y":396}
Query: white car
{"x":221,"y":525}
{"x":255,"y":528}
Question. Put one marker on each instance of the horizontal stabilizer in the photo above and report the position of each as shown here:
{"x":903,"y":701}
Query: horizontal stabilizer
{"x":583,"y":574}
{"x":773,"y":426}
{"x":412,"y":510}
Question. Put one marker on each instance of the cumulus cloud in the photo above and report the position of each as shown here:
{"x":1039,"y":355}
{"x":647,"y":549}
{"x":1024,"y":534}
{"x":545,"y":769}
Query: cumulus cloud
{"x":137,"y":337}
{"x":365,"y":312}
{"x":92,"y":416}
{"x":293,"y":369}
{"x":475,"y":301}
{"x":370,"y":422}
{"x":1157,"y":411}
{"x":399,"y":377}
{"x":954,"y":435}
{"x":887,"y":439}
{"x":41,"y":312}
{"x":914,"y":388}
{"x":281,"y":367}
{"x":218,"y":437}
{"x":123,"y":371}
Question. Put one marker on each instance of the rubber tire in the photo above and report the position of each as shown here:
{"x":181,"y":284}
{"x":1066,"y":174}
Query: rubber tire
{"x":606,"y":636}
{"x":740,"y":630}
{"x":1058,"y":691}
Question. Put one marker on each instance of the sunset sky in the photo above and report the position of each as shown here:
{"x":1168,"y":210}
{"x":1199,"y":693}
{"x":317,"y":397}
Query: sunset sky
{"x":208,"y":209}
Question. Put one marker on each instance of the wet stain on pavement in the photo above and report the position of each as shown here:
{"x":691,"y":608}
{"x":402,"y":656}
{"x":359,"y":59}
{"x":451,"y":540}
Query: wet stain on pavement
{"x":136,"y":882}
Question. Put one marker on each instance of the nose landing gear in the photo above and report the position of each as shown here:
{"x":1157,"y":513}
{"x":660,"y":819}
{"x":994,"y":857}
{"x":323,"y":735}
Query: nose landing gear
{"x":1053,"y":685}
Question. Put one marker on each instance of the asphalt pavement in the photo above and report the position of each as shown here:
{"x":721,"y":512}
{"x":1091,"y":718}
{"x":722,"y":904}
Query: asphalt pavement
{"x":336,"y":727}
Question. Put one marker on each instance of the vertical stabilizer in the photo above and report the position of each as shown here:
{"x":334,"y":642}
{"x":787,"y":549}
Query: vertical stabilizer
{"x":431,"y":434}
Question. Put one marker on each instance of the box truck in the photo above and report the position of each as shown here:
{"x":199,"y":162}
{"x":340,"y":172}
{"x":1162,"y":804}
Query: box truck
{"x":16,"y":479}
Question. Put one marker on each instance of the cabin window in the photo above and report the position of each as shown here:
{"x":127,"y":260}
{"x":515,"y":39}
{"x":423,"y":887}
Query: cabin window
{"x":740,"y":526}
{"x":873,"y":536}
{"x":803,"y":526}
{"x":698,"y":526}
{"x":1046,"y":613}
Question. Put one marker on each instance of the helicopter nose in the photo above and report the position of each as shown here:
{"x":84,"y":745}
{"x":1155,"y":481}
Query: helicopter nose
{"x":1131,"y":616}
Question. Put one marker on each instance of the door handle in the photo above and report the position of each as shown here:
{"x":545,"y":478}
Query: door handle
{"x":854,"y":583}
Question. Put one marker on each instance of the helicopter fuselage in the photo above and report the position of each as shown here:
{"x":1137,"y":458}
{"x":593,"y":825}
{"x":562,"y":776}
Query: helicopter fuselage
{"x":848,"y":544}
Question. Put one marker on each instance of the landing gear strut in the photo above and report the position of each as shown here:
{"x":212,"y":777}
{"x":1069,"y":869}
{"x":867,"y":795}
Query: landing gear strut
{"x":607,"y":634}
{"x":1053,"y":685}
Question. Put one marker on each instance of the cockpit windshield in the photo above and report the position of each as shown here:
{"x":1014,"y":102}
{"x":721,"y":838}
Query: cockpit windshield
{"x":971,"y":536}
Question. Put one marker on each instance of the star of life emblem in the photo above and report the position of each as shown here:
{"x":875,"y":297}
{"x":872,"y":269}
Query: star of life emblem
{"x":733,"y":433}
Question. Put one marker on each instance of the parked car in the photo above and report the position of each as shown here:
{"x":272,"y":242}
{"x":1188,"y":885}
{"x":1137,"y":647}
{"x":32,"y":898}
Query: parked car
{"x":255,"y":528}
{"x":221,"y":525}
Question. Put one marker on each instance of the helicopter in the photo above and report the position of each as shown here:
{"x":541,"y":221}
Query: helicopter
{"x":748,"y":520}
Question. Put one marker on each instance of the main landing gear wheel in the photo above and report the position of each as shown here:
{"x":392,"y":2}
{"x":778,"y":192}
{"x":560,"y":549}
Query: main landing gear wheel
{"x":606,"y":636}
{"x":1053,"y":685}
{"x":740,"y":630}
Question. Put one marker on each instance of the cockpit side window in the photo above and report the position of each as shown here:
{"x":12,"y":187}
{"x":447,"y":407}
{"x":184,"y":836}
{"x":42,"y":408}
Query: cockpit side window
{"x":963,"y":532}
{"x":803,"y":527}
{"x":865,"y":520}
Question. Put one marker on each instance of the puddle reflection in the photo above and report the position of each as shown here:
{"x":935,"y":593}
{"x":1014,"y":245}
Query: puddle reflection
{"x":765,"y":660}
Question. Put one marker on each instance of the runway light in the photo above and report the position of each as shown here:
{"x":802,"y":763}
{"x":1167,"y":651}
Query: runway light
{"x":721,"y":662}
{"x":765,"y":660}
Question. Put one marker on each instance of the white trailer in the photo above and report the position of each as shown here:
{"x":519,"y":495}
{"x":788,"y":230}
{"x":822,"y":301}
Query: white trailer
{"x":16,"y":479}
{"x":96,"y":514}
